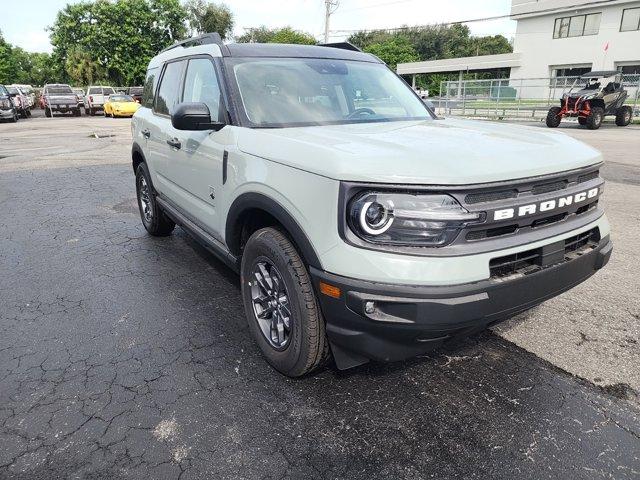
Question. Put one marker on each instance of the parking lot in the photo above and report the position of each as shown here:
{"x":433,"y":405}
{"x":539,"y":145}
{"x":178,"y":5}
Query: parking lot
{"x":124,"y":356}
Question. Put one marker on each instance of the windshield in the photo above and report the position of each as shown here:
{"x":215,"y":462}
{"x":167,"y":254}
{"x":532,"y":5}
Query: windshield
{"x":135,"y":91}
{"x":13,"y":90}
{"x":101,"y":90}
{"x":121,"y":98}
{"x":309,"y":91}
{"x":58,"y":90}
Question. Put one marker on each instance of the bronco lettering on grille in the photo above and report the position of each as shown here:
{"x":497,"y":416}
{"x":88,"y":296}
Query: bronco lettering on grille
{"x":546,"y":206}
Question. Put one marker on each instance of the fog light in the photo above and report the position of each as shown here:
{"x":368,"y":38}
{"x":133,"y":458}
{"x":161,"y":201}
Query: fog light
{"x":369,"y":307}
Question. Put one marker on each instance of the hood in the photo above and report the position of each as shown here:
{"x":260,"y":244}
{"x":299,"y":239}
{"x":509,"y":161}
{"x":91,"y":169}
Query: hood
{"x":444,"y":152}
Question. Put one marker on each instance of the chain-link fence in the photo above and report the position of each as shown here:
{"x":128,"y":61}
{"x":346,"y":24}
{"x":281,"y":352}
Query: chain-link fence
{"x":527,"y":98}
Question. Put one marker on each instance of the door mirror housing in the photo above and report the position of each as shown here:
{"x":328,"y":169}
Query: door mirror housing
{"x":194,"y":116}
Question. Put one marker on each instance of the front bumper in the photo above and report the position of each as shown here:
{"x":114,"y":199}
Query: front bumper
{"x":411,"y":320}
{"x":4,"y":114}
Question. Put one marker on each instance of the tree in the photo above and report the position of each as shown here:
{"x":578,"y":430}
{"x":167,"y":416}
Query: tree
{"x":83,"y":69}
{"x":395,"y":50}
{"x":8,"y":67}
{"x":118,"y":37}
{"x":205,"y":17}
{"x":276,"y":35}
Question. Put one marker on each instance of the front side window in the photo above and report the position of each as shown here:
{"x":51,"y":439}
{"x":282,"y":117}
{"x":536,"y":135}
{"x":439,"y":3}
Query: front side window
{"x":201,"y":85}
{"x":630,"y":20}
{"x":286,"y":92}
{"x":577,"y":26}
{"x":169,"y":90}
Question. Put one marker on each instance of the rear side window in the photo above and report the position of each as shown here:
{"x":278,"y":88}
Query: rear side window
{"x":3,"y":91}
{"x":169,"y":90}
{"x":201,"y":85}
{"x":149,"y":89}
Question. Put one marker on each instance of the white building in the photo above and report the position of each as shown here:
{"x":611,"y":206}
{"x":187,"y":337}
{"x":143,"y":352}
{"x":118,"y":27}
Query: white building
{"x":558,"y":38}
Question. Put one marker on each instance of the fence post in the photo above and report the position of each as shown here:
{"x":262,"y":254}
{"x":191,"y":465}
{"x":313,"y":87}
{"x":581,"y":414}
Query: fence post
{"x":519,"y":97}
{"x":464,"y":97}
{"x":635,"y":102}
{"x":498,"y":96}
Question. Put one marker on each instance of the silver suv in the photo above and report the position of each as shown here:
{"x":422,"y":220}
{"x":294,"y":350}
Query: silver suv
{"x":363,"y":227}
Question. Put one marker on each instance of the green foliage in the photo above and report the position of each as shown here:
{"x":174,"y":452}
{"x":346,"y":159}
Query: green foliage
{"x":115,"y":39}
{"x":205,"y":17}
{"x":432,"y":42}
{"x":276,"y":35}
{"x":8,"y":67}
{"x":395,"y":50}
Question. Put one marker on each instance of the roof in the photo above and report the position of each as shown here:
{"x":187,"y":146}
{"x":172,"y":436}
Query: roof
{"x":600,"y":73}
{"x":481,"y":62}
{"x":297,"y":51}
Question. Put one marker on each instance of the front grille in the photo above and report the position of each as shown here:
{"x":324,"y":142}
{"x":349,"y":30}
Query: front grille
{"x":483,"y":197}
{"x":549,"y":187}
{"x":588,"y":176}
{"x":534,"y":260}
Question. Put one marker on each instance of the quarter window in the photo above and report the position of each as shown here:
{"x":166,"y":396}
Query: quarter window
{"x":169,"y":91}
{"x":149,"y":89}
{"x":630,"y":19}
{"x":577,"y":26}
{"x":201,"y":85}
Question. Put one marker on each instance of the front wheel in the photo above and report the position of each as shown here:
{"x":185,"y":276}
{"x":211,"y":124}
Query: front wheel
{"x":553,"y":117}
{"x":623,"y":116}
{"x":153,"y":218}
{"x":594,"y":120}
{"x":47,"y":112}
{"x":280,"y":304}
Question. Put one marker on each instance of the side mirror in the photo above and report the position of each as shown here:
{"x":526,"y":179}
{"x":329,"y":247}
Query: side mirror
{"x":193,"y":116}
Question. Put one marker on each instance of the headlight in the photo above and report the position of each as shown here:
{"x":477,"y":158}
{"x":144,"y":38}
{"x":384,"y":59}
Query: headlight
{"x":421,"y":220}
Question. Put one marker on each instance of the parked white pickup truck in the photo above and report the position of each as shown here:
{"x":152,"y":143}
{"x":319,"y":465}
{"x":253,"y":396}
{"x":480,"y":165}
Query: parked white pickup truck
{"x":95,"y":98}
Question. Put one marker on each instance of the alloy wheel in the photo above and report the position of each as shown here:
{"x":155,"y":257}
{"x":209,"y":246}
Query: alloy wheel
{"x":270,"y":302}
{"x":145,"y":199}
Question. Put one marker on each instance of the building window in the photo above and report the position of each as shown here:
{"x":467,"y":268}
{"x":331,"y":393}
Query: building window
{"x":630,"y":69}
{"x":570,"y":71}
{"x":577,"y":26}
{"x":630,"y":20}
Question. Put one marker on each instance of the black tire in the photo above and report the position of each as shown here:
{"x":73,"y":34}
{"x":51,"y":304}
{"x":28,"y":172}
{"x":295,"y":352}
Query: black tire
{"x":307,"y":347}
{"x":77,"y":113}
{"x":153,"y":219}
{"x":595,"y":119}
{"x":15,"y":118}
{"x":553,"y":119}
{"x":92,"y":112}
{"x":582,"y":120}
{"x":23,"y":114}
{"x":624,"y":116}
{"x":29,"y":113}
{"x":47,"y":112}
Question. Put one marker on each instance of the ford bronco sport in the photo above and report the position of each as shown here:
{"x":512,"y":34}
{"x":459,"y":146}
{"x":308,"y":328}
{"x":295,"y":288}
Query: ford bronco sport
{"x":362,"y":226}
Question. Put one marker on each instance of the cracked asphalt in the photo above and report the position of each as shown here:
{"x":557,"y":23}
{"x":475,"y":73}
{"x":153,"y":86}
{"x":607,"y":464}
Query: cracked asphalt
{"x":124,"y":356}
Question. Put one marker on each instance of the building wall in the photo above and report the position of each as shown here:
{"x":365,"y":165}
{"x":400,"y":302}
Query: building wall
{"x":540,"y":52}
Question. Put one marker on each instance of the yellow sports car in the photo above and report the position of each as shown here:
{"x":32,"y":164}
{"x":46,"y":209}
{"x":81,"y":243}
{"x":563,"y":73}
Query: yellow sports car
{"x":120,"y":105}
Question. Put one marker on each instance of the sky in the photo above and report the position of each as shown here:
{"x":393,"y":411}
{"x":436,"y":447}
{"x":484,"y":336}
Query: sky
{"x":26,"y":26}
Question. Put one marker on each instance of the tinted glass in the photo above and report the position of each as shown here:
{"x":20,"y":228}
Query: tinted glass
{"x":3,"y":91}
{"x":13,"y":90}
{"x":59,"y":90}
{"x":592,"y":24}
{"x":201,"y":85}
{"x":169,"y":90}
{"x":149,"y":89}
{"x":121,"y":98}
{"x":630,"y":20}
{"x":314,"y":91}
{"x":576,"y":26}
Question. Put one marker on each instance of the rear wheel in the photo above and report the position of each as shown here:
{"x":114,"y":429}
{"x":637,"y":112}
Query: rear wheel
{"x":553,"y":117}
{"x":153,"y":218}
{"x":595,"y":119}
{"x":281,"y":306}
{"x":623,"y":116}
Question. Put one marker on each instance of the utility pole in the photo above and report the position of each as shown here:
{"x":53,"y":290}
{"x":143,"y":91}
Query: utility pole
{"x":330,"y":7}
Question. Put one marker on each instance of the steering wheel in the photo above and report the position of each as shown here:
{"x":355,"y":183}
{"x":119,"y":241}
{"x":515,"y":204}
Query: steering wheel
{"x":361,"y":111}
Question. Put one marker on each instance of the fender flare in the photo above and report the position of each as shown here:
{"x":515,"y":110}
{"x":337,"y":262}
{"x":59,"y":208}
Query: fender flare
{"x":252,"y":200}
{"x":136,"y":150}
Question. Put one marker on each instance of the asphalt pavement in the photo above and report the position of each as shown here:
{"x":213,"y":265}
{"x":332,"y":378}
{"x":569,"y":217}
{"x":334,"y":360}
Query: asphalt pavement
{"x":124,"y":356}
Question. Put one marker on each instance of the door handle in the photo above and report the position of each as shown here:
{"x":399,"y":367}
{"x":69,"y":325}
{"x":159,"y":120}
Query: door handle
{"x":174,"y":143}
{"x":146,"y":133}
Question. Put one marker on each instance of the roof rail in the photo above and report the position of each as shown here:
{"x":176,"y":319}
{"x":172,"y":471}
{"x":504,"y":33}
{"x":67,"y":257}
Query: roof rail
{"x":341,"y":45}
{"x":204,"y":39}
